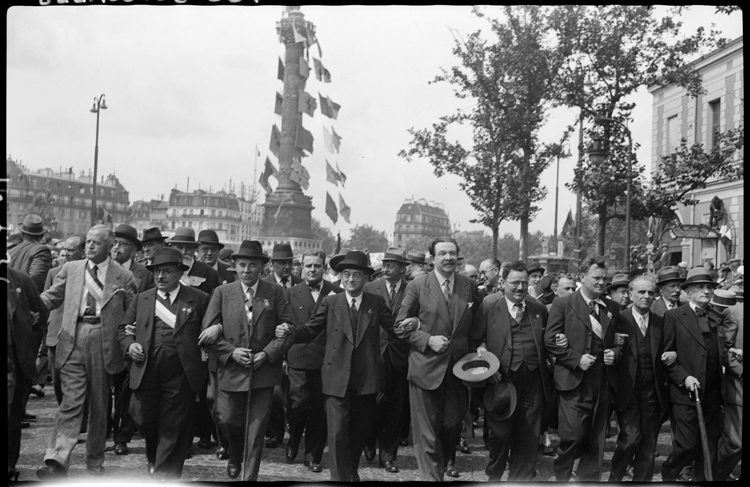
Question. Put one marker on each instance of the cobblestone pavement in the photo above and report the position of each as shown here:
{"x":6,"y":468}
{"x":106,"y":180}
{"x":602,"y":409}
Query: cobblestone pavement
{"x":204,"y":466}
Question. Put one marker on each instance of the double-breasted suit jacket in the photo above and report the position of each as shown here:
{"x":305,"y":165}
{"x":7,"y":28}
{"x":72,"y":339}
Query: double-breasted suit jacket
{"x":397,"y":350}
{"x":144,"y":278}
{"x":270,"y":308}
{"x":308,"y":356}
{"x":191,"y":305}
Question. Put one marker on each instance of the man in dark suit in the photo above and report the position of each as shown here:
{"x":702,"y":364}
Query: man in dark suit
{"x":165,"y":367}
{"x":32,"y":256}
{"x":640,"y":398}
{"x":245,"y":314}
{"x":444,"y":303}
{"x":152,"y":241}
{"x":668,"y":281}
{"x":512,"y":328}
{"x":696,"y":332}
{"x":395,"y":358}
{"x":208,"y":253}
{"x":489,"y":270}
{"x":351,"y":364}
{"x":306,"y":411}
{"x":588,"y":321}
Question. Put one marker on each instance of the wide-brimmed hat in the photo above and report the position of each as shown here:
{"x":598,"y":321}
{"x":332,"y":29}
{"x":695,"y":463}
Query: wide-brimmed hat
{"x":167,"y":255}
{"x":666,"y":274}
{"x":395,"y":254}
{"x":336,"y":258}
{"x":282,"y":251}
{"x":151,"y":234}
{"x":184,"y":236}
{"x":33,"y":225}
{"x":250,"y":249}
{"x":619,"y":280}
{"x":415,"y":257}
{"x":724,"y":298}
{"x":536,"y":268}
{"x":129,"y":233}
{"x":501,"y":399}
{"x":698,"y":275}
{"x":209,"y":237}
{"x":474,"y":370}
{"x":354,"y":259}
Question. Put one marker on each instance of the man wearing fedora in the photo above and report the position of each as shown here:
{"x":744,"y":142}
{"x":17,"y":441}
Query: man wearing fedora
{"x":618,"y":290}
{"x":444,"y":303}
{"x":416,"y":260}
{"x":96,"y":293}
{"x":151,"y":242}
{"x":668,"y":281}
{"x":208,"y":253}
{"x":695,"y":331}
{"x":588,"y":321}
{"x":244,"y":315}
{"x":32,"y":256}
{"x":165,"y":364}
{"x":512,"y":329}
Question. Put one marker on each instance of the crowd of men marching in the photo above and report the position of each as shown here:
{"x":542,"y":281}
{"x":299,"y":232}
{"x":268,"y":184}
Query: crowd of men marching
{"x":179,"y":339}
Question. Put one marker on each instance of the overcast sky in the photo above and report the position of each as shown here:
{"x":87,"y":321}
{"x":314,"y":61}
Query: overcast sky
{"x":190,"y":93}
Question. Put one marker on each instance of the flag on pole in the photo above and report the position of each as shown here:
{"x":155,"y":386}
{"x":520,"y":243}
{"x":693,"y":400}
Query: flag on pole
{"x":342,"y":176}
{"x":304,"y":68}
{"x":297,"y":36}
{"x":280,"y":72}
{"x":303,"y":139}
{"x":344,"y":209}
{"x":268,"y":171}
{"x":307,"y":103}
{"x":277,"y":106}
{"x":331,"y":175}
{"x":331,"y":208}
{"x":318,"y":66}
{"x":336,"y":139}
{"x":328,"y":139}
{"x":328,"y":107}
{"x":275,"y":144}
{"x":311,"y":39}
{"x":568,"y":225}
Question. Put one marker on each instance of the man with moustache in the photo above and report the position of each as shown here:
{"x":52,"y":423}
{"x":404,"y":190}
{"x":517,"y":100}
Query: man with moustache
{"x":443,"y":302}
{"x":306,"y":411}
{"x":668,"y":280}
{"x":208,"y":253}
{"x":96,"y":293}
{"x":152,"y":241}
{"x":166,"y":370}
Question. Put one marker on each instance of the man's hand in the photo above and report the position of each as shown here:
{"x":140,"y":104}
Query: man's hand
{"x":283,"y":330}
{"x":480,"y":350}
{"x":609,"y":357}
{"x":587,"y":361}
{"x":669,"y":358}
{"x":258,"y":359}
{"x":135,"y":350}
{"x":130,"y":330}
{"x":409,"y":324}
{"x":438,"y":343}
{"x":691,"y":383}
{"x":210,"y":335}
{"x":285,"y":367}
{"x":561,"y":340}
{"x":243,"y":356}
{"x":35,"y":317}
{"x":737,"y":352}
{"x":496,"y":377}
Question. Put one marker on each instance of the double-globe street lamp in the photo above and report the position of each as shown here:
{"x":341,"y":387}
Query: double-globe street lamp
{"x":99,"y":104}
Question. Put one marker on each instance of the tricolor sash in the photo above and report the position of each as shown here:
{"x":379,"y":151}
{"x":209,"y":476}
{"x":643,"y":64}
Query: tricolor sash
{"x":163,"y":313}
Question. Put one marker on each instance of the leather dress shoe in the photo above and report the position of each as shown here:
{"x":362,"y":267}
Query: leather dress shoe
{"x":221,"y":453}
{"x":272,"y":442}
{"x":451,"y":471}
{"x":389,"y":467}
{"x":685,"y":477}
{"x":29,"y":417}
{"x":96,"y":469}
{"x":12,"y":474}
{"x":51,"y":470}
{"x":37,"y":390}
{"x":25,"y":424}
{"x":204,"y":443}
{"x":463,"y":446}
{"x":121,"y":449}
{"x":370,"y":453}
{"x":314,"y":467}
{"x":150,"y":468}
{"x":233,"y":470}
{"x":291,"y":451}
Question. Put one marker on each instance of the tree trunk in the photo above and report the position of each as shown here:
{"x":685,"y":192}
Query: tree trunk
{"x":602,"y":232}
{"x":495,"y":235}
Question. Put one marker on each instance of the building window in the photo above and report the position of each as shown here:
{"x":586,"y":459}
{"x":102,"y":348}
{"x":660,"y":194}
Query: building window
{"x":673,"y":135}
{"x":714,"y":111}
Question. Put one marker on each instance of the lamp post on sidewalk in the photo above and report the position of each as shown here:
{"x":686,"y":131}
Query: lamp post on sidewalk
{"x":99,"y":104}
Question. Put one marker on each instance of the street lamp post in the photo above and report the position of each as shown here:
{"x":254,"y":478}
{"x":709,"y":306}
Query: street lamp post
{"x":99,"y":104}
{"x":557,"y":182}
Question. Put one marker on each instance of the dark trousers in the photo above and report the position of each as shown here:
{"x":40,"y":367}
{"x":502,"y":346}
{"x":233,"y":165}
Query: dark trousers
{"x":203,"y":423}
{"x":55,"y":374}
{"x":212,"y":392}
{"x":162,"y":407}
{"x":639,"y":425}
{"x":582,"y":418}
{"x":730,"y":444}
{"x":123,"y":426}
{"x":306,"y":411}
{"x":15,"y":414}
{"x":518,"y":435}
{"x":233,"y":408}
{"x":350,"y":421}
{"x":42,"y":365}
{"x":686,"y":443}
{"x":390,"y":410}
{"x":436,"y":417}
{"x":277,"y":421}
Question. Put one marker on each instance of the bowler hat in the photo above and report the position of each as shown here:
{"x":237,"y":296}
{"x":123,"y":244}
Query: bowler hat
{"x":167,"y":255}
{"x":250,"y":249}
{"x":697,"y":275}
{"x":474,"y":370}
{"x":501,"y":399}
{"x":724,"y":298}
{"x":33,"y":225}
{"x":335,"y":259}
{"x":129,"y":233}
{"x":415,"y":257}
{"x":151,"y":234}
{"x":183,"y":235}
{"x":354,"y":259}
{"x":619,"y":280}
{"x":666,"y":274}
{"x":209,"y":237}
{"x":282,"y":251}
{"x":395,"y":254}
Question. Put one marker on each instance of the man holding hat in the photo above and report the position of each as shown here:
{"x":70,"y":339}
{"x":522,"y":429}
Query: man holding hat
{"x":281,"y":260}
{"x":166,"y":370}
{"x":512,"y":328}
{"x":695,"y":331}
{"x":618,"y":290}
{"x":152,"y":241}
{"x":243,"y":315}
{"x":32,"y":256}
{"x":208,"y":253}
{"x":668,"y":281}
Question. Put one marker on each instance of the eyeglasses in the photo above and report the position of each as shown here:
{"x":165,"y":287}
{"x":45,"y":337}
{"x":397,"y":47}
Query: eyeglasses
{"x":515,"y":284}
{"x":165,"y":272}
{"x":352,"y":275}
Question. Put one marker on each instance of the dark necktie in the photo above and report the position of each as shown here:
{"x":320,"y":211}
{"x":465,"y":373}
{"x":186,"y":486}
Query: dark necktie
{"x":166,"y":298}
{"x":702,"y":320}
{"x":314,"y":288}
{"x":354,"y":317}
{"x":283,"y":282}
{"x":594,"y":309}
{"x":90,"y":299}
{"x":392,"y":294}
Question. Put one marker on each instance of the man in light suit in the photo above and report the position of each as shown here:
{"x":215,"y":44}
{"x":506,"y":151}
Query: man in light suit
{"x":166,"y":369}
{"x":444,"y":303}
{"x":208,"y":253}
{"x":512,"y":328}
{"x":245,"y":314}
{"x":306,"y":410}
{"x":588,"y":321}
{"x":668,"y":281}
{"x":96,"y":293}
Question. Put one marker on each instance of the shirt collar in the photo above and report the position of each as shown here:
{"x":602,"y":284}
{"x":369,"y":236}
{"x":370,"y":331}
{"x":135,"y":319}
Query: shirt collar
{"x":511,"y":304}
{"x":172,"y":294}
{"x":101,"y":267}
{"x":693,"y":306}
{"x":128,"y":263}
{"x":357,"y":300}
{"x":388,"y":285}
{"x":597,"y":300}
{"x":254,"y":287}
{"x":441,"y":279}
{"x":639,"y":316}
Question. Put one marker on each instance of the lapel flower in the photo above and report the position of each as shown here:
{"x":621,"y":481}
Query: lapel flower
{"x":369,"y":311}
{"x":609,"y":315}
{"x":18,"y":291}
{"x":266,"y":304}
{"x":470,"y":304}
{"x":187,"y":311}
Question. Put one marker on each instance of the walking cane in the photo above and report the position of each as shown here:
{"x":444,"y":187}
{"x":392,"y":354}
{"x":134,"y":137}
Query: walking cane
{"x":704,"y":436}
{"x":246,"y":444}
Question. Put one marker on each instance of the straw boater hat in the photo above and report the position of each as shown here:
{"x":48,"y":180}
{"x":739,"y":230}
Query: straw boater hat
{"x":620,"y":280}
{"x":33,"y":225}
{"x":395,"y":254}
{"x":250,"y":249}
{"x":501,"y":399}
{"x":209,"y":237}
{"x":129,"y":233}
{"x":353,"y":259}
{"x":697,"y":275}
{"x":184,"y":236}
{"x":666,"y":274}
{"x":282,"y":251}
{"x":724,"y":298}
{"x":167,"y":255}
{"x":474,"y":370}
{"x":738,"y":291}
{"x":151,"y":234}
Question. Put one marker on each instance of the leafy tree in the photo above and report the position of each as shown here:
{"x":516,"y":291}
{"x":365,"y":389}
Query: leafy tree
{"x":365,"y":237}
{"x":42,"y":206}
{"x":328,"y":243}
{"x":420,"y":244}
{"x":474,"y":248}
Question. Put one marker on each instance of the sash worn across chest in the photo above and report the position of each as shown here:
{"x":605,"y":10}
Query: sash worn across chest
{"x":165,"y":314}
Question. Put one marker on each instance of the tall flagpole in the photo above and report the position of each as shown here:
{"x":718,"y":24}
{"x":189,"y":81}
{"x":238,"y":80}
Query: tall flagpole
{"x":255,"y":172}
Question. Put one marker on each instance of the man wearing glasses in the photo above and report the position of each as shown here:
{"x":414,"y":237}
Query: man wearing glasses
{"x":489,"y":271}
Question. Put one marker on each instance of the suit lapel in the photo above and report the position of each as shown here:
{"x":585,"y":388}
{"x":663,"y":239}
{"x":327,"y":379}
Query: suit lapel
{"x":501,"y":319}
{"x":634,"y":340}
{"x":579,"y":304}
{"x":654,"y":335}
{"x":111,"y":282}
{"x":436,"y":296}
{"x":77,"y":277}
{"x":184,"y":308}
{"x":460,"y":298}
{"x":691,"y":324}
{"x":260,"y":300}
{"x":365,"y":311}
{"x":341,"y":314}
{"x":149,"y":308}
{"x":536,"y":325}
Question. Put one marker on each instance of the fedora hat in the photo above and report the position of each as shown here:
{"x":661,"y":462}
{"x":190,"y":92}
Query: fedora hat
{"x":183,"y":235}
{"x":501,"y":398}
{"x":415,"y":257}
{"x":282,"y":251}
{"x":354,"y":259}
{"x":474,"y":370}
{"x":209,"y":237}
{"x":724,"y":298}
{"x":619,"y":280}
{"x":129,"y":233}
{"x":225,"y":254}
{"x":250,"y":249}
{"x":33,"y":225}
{"x":395,"y":254}
{"x":666,"y":274}
{"x":151,"y":234}
{"x":335,"y":259}
{"x":697,"y":275}
{"x":535,"y":268}
{"x":167,"y":255}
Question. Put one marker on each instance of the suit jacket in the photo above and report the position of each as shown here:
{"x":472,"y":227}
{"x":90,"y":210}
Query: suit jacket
{"x":734,"y":338}
{"x":397,"y":349}
{"x":191,"y":306}
{"x":332,"y":320}
{"x":272,"y":278}
{"x":33,"y":259}
{"x":627,"y":365}
{"x":307,"y":356}
{"x":570,"y":315}
{"x":23,"y":299}
{"x":425,"y":300}
{"x":203,"y":277}
{"x":270,"y":309}
{"x":225,"y":275}
{"x":493,"y":327}
{"x":659,"y":307}
{"x":119,"y":291}
{"x":55,"y":316}
{"x":144,"y":278}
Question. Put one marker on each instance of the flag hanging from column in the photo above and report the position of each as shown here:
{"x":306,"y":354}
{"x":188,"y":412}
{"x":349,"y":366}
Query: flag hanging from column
{"x":331,"y":208}
{"x":328,"y":140}
{"x":297,"y":36}
{"x":304,"y":68}
{"x":344,"y":209}
{"x":342,"y":176}
{"x":336,"y":139}
{"x":331,"y":175}
{"x":268,"y":171}
{"x":277,"y":106}
{"x":275,"y":144}
{"x":311,"y":39}
{"x":307,"y":103}
{"x":280,"y":71}
{"x":303,"y":139}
